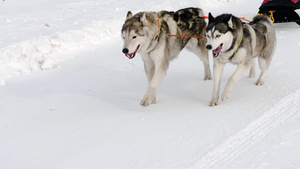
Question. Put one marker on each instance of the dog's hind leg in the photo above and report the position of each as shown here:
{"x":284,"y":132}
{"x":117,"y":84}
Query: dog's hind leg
{"x":252,"y":72}
{"x":263,"y":65}
{"x":264,"y":61}
{"x":199,"y":49}
{"x":159,"y":74}
{"x":204,"y":58}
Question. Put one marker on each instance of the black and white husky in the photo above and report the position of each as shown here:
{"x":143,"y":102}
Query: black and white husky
{"x":159,"y":37}
{"x":232,"y":41}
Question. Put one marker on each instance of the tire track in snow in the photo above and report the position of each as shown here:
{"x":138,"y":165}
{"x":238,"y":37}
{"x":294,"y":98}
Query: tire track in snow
{"x":251,"y":135}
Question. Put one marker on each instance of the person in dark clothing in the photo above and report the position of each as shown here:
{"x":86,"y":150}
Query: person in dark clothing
{"x":281,"y":10}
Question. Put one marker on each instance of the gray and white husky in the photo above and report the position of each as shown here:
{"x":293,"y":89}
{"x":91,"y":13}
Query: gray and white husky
{"x":233,"y":41}
{"x":159,"y":37}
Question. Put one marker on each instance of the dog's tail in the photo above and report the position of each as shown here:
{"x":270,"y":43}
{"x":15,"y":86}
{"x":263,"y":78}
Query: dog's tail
{"x":188,"y":12}
{"x":262,"y":18}
{"x":200,"y":11}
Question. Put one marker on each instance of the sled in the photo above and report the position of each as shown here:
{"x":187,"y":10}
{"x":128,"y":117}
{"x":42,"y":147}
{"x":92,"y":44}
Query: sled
{"x":281,"y":10}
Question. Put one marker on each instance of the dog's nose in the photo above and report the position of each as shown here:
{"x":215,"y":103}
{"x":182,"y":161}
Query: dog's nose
{"x":209,"y":47}
{"x":125,"y":51}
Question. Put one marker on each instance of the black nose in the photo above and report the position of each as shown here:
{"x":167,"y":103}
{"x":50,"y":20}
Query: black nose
{"x":125,"y":51}
{"x":209,"y":47}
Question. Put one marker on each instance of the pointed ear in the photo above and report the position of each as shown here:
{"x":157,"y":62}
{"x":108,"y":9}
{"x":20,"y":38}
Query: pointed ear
{"x":210,"y":18}
{"x":129,"y":15}
{"x":144,"y":20}
{"x":230,"y":24}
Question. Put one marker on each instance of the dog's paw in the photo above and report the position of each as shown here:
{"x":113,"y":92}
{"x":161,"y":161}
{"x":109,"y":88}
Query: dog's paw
{"x":207,"y":77}
{"x":251,"y":76}
{"x":252,"y":73}
{"x":213,"y":103}
{"x":259,"y":83}
{"x":225,"y":96}
{"x":146,"y":101}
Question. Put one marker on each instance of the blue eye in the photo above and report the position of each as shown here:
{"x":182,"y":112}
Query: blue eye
{"x":218,"y":36}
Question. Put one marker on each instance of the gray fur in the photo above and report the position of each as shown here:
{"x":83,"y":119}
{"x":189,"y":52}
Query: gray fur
{"x":256,"y":39}
{"x":140,"y":34}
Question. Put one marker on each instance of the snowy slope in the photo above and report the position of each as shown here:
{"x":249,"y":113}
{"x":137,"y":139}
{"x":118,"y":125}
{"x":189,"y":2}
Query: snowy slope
{"x":85,"y":112}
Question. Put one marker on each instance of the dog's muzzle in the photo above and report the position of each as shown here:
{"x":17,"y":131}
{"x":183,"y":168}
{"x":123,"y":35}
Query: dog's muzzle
{"x":130,"y":55}
{"x":216,"y":51}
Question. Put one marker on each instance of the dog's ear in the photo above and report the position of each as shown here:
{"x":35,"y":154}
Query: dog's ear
{"x":230,"y":24}
{"x":129,"y":15}
{"x":144,"y":20}
{"x":210,"y":18}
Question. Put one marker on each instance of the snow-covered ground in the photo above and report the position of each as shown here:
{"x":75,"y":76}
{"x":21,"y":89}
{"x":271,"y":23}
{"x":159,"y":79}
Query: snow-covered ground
{"x":70,"y":98}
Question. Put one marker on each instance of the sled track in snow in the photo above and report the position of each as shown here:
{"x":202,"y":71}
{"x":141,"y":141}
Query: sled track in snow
{"x":252,"y":134}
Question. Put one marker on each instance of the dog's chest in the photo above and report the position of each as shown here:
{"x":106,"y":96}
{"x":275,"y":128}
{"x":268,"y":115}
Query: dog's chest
{"x":239,"y":57}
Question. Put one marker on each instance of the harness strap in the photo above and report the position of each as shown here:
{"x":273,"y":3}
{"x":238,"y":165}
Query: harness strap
{"x":238,"y":45}
{"x":158,"y":21}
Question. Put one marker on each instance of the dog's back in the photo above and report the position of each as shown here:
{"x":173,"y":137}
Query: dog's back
{"x":190,"y":21}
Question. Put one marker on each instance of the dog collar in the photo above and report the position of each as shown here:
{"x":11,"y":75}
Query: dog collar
{"x":238,"y":45}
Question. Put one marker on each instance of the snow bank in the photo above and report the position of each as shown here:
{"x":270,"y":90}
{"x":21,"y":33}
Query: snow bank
{"x":46,"y":49}
{"x":46,"y":52}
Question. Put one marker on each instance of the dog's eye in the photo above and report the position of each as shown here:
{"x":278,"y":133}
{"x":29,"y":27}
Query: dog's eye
{"x":133,"y":37}
{"x":218,"y":36}
{"x":123,"y":37}
{"x":207,"y":36}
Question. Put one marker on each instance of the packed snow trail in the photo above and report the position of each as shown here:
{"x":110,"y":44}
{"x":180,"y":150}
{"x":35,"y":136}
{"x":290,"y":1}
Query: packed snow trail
{"x":225,"y":154}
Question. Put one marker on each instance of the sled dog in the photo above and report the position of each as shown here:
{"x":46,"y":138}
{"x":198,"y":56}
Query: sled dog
{"x":159,"y":37}
{"x":232,"y":41}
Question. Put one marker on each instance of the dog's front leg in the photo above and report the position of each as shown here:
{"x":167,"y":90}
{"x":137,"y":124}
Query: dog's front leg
{"x":148,"y":66}
{"x":218,"y":71}
{"x":159,"y":74}
{"x":239,"y":72}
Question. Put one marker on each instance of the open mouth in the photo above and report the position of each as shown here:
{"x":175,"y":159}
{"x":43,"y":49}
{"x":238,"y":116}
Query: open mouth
{"x":132,"y":55}
{"x":217,"y":51}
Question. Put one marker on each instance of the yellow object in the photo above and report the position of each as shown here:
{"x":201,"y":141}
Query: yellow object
{"x":271,"y":15}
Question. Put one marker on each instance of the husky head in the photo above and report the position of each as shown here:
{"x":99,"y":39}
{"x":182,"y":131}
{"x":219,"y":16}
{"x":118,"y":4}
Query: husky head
{"x":135,"y":34}
{"x":219,"y":33}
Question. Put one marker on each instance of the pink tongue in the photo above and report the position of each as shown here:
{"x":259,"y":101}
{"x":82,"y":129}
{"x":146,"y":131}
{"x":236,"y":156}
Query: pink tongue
{"x":129,"y":55}
{"x":217,"y":51}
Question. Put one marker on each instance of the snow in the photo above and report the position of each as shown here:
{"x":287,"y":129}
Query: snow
{"x":85,"y":112}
